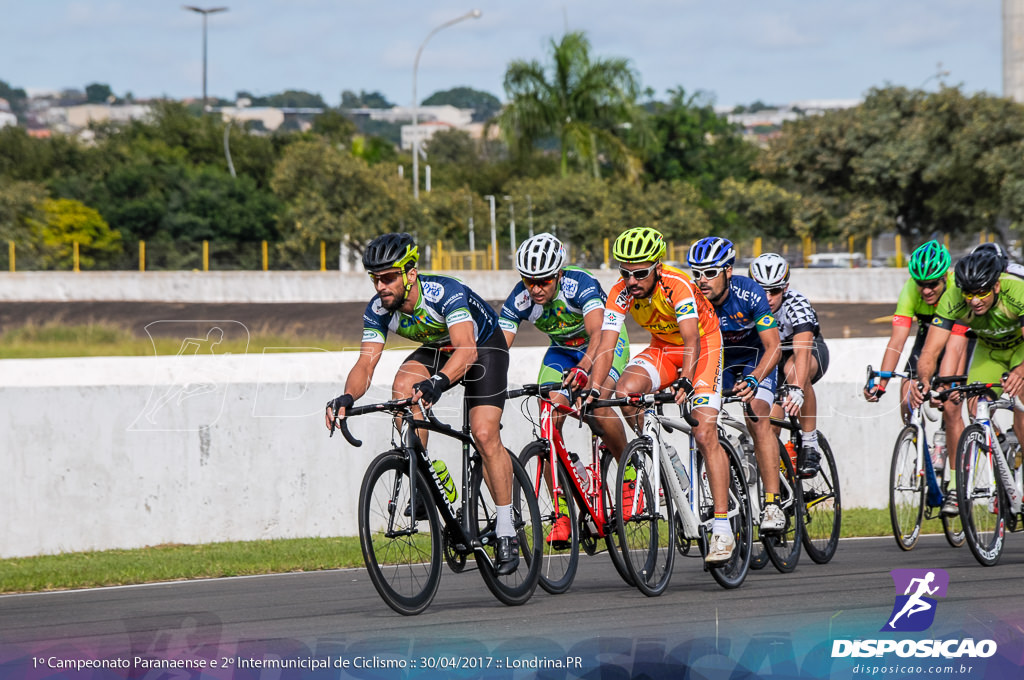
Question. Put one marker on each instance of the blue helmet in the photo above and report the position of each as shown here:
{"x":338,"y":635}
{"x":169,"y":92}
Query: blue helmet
{"x":712,"y":251}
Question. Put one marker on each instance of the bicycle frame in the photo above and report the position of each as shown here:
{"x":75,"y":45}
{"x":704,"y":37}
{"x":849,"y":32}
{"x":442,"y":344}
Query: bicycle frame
{"x":1011,"y":480}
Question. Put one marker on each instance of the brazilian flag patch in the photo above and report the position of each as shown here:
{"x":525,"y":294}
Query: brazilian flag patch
{"x":702,"y":400}
{"x":766,"y":321}
{"x":686,"y":308}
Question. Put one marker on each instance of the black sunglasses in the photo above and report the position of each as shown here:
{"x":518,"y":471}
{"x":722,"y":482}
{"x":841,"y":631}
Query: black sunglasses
{"x":775,"y":291}
{"x":930,"y":285}
{"x":387,"y":278}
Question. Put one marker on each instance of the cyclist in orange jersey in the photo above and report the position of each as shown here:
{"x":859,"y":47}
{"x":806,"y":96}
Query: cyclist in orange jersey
{"x":685,"y":342}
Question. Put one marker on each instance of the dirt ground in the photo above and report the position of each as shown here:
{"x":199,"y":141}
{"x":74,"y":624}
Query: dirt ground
{"x":340,"y":321}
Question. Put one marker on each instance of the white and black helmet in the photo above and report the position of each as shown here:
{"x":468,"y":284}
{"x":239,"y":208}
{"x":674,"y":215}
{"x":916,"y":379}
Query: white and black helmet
{"x":541,"y":255}
{"x":770,"y":270}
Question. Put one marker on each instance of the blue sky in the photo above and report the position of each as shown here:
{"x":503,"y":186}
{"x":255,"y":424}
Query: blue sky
{"x":741,"y":51}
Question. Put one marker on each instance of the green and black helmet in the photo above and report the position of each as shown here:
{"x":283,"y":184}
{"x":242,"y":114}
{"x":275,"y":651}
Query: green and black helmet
{"x":639,"y":244}
{"x":929,"y":261}
{"x":391,"y":250}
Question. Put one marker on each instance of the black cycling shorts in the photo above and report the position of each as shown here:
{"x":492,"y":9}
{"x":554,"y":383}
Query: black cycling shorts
{"x":486,"y":379}
{"x":819,"y":352}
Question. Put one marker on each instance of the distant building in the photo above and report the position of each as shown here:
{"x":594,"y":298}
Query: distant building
{"x":767,"y":123}
{"x":270,"y":117}
{"x":78,"y":117}
{"x":6,"y":117}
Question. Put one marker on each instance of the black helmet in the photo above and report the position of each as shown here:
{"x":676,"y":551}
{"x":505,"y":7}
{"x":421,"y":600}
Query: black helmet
{"x":995,"y":248}
{"x":391,"y":250}
{"x":978,"y":271}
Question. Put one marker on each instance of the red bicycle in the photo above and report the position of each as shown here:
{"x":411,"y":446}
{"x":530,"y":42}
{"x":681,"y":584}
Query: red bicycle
{"x":576,"y":504}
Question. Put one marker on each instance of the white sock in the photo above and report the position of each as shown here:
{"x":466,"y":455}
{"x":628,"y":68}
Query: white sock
{"x":810,"y":439}
{"x":721,"y":526}
{"x":504,"y":525}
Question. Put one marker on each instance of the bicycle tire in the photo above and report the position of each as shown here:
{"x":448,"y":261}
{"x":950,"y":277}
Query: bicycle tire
{"x":784,"y":547}
{"x":953,"y":529}
{"x":516,"y":588}
{"x":647,"y":536}
{"x":405,"y":569}
{"x":906,"y":490}
{"x":823,"y":514}
{"x":980,"y":496}
{"x":559,"y":562}
{"x":732,"y":573}
{"x":755,"y":492}
{"x":609,"y":475}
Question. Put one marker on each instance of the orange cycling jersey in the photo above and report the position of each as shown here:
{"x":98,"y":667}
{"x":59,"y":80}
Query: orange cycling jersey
{"x":674,"y":299}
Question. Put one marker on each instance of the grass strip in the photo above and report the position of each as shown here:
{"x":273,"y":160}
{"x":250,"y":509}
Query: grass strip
{"x":214,"y":560}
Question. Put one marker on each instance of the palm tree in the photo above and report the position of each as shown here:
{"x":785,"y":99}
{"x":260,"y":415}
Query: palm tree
{"x":584,"y":104}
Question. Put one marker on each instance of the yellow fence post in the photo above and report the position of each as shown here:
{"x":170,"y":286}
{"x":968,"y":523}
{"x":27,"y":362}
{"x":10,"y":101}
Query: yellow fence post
{"x":757,"y":247}
{"x":849,"y":246}
{"x":807,"y":250}
{"x":981,"y":238}
{"x":75,"y":248}
{"x":945,"y":241}
{"x":10,"y":254}
{"x":867,"y":250}
{"x":991,"y":237}
{"x":489,"y":259}
{"x":266,"y":256}
{"x":899,"y":252}
{"x":606,"y":253}
{"x":785,"y":249}
{"x":323,"y":256}
{"x":438,"y":263}
{"x":142,"y":256}
{"x":206,"y":256}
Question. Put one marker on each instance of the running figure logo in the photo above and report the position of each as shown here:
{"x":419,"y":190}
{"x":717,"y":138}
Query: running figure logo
{"x":914,"y":609}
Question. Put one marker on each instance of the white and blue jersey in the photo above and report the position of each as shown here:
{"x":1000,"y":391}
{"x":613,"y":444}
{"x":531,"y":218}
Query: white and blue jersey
{"x":443,"y":302}
{"x":742,"y":316}
{"x":562,"y":318}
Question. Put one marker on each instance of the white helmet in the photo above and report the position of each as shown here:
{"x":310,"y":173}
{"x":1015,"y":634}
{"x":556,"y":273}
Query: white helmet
{"x":541,"y":255}
{"x":770,"y":270}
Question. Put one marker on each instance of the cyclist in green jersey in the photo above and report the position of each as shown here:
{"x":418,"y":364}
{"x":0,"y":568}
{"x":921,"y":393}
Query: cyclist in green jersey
{"x":991,"y":303}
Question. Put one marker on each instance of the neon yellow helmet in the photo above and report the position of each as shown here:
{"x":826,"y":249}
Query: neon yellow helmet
{"x":639,"y":244}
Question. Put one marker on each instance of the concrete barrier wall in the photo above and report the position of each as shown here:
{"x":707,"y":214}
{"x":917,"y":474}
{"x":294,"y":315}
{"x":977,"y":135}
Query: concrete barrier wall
{"x":820,"y":285}
{"x":103,"y":453}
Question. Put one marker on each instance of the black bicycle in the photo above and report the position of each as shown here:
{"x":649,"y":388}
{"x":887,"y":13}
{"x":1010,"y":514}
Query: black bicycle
{"x":410,"y":516}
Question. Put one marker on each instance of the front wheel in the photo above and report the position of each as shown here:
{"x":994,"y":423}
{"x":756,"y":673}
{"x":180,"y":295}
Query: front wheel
{"x":647,"y":530}
{"x":732,"y":573}
{"x":609,"y":475}
{"x":401,"y":546}
{"x":560,"y":547}
{"x":517,"y":587}
{"x":823,"y":514}
{"x":906,"y":490}
{"x":784,"y":546}
{"x":980,"y":496}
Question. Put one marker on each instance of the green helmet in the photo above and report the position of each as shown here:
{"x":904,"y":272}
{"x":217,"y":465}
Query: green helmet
{"x":639,"y":244}
{"x":929,"y":262}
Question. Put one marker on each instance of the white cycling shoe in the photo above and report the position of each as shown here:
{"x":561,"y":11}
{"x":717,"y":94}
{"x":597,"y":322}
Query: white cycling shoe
{"x":773,"y":520}
{"x":721,"y":548}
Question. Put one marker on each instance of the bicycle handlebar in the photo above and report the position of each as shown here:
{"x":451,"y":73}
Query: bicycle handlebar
{"x":394,"y":406}
{"x":648,"y":399}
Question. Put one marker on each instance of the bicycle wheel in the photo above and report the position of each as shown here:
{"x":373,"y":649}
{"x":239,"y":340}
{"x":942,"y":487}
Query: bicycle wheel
{"x":609,"y":475}
{"x":980,"y":496}
{"x":823,"y":514}
{"x":517,"y":587}
{"x":732,"y":573}
{"x":560,"y":558}
{"x":647,"y":532}
{"x":952,"y":527}
{"x":906,"y":490}
{"x":783,"y":546}
{"x":402,"y":553}
{"x":755,"y":492}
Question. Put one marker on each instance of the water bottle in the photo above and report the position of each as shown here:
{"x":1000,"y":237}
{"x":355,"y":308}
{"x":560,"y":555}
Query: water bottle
{"x":581,"y":468}
{"x":677,"y":465}
{"x":447,"y":483}
{"x":939,"y":451}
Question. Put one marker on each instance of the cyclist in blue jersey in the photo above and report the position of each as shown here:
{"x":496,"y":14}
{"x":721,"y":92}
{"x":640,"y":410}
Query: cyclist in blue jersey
{"x":458,"y":332}
{"x":566,"y":304}
{"x":750,"y":340}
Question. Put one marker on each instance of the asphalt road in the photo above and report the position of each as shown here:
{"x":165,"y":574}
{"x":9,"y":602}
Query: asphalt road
{"x":772,"y":622}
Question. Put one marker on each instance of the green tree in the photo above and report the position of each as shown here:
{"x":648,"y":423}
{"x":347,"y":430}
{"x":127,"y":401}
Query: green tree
{"x":585,"y":104}
{"x":66,"y":222}
{"x":369,"y":100}
{"x":484,"y":104}
{"x":97,"y":93}
{"x":334,"y":125}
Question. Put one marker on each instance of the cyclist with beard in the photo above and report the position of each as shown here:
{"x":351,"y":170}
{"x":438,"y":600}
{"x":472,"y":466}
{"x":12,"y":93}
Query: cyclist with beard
{"x":461,"y":342}
{"x":750,"y":336}
{"x":685,"y":342}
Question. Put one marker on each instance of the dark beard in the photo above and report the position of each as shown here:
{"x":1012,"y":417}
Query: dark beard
{"x":396,"y":302}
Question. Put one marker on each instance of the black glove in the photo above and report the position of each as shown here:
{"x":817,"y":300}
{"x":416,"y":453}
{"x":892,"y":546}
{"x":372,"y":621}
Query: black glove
{"x":685,"y":385}
{"x":344,"y":401}
{"x":432,"y":388}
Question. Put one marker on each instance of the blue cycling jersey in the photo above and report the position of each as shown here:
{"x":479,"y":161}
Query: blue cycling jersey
{"x":744,"y":314}
{"x":562,"y":318}
{"x":443,"y":302}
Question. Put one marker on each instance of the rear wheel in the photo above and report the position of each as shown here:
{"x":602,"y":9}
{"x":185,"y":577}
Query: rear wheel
{"x":732,"y":573}
{"x":823,"y":511}
{"x":647,"y":529}
{"x":980,"y":496}
{"x":952,"y":527}
{"x":784,"y":546}
{"x":906,"y":490}
{"x":402,"y":549}
{"x":609,"y":475}
{"x":560,"y":553}
{"x":517,"y":587}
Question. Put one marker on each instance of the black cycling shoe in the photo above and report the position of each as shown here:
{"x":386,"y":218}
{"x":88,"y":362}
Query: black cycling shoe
{"x":506,"y":558}
{"x":811,"y":463}
{"x":421,"y":510}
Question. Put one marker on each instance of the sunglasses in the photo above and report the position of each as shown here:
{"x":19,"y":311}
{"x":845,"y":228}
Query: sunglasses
{"x":929,"y":285}
{"x":775,"y":291}
{"x":976,"y":296}
{"x":537,"y":283}
{"x":708,"y":273}
{"x":638,"y":274}
{"x":387,"y":278}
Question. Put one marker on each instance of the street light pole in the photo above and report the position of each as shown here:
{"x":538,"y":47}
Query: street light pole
{"x":511,"y":225}
{"x":205,"y":13}
{"x":474,"y":14}
{"x":494,"y":235}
